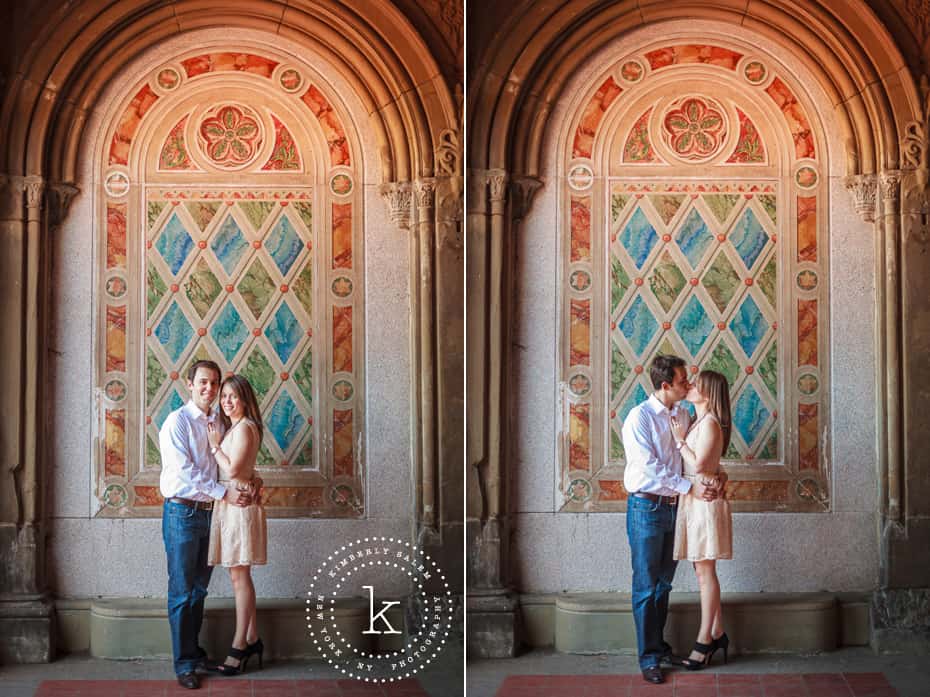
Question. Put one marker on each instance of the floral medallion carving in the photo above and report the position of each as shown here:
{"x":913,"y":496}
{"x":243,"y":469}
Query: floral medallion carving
{"x":230,"y":135}
{"x":694,"y":128}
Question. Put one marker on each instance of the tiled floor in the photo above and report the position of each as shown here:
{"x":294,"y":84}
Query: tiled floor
{"x":226,"y":687}
{"x":700,"y":685}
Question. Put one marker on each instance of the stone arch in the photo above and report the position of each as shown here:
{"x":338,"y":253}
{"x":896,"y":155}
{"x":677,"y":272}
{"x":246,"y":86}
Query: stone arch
{"x":519,"y":96}
{"x":408,"y":122}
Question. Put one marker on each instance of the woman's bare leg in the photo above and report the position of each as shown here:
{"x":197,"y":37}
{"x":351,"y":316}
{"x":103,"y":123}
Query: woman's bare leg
{"x":244,"y":593}
{"x":710,"y":601}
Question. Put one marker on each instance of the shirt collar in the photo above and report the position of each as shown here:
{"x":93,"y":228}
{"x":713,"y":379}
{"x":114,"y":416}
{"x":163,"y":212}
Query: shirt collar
{"x":194,"y":411}
{"x":657,"y":407}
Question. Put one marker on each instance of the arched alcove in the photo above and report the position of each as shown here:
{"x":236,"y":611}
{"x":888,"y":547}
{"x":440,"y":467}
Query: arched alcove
{"x":230,"y":229}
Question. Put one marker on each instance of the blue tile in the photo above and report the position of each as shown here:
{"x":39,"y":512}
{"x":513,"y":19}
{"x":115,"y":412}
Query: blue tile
{"x":229,"y":244}
{"x":749,"y":326}
{"x":174,"y":332}
{"x":638,"y":238}
{"x":174,"y":244}
{"x":693,"y":237}
{"x":750,"y":415}
{"x":284,"y":245}
{"x":172,"y":403}
{"x":284,"y":332}
{"x":693,"y":325}
{"x":285,"y":421}
{"x":638,"y":325}
{"x":229,"y":332}
{"x":748,"y":238}
{"x":638,"y":396}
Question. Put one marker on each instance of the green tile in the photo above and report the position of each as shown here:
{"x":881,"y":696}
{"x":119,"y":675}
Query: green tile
{"x":260,"y":373}
{"x":721,"y":205}
{"x":732,"y":452}
{"x":722,"y":360}
{"x":154,"y":210}
{"x":721,"y":281}
{"x":155,"y":376}
{"x":770,"y":451}
{"x":619,"y":370}
{"x":303,"y":376}
{"x":202,"y":212}
{"x":202,"y":288}
{"x":305,"y":211}
{"x":768,"y":369}
{"x":666,"y":281}
{"x":305,"y":457}
{"x":256,"y":211}
{"x":152,"y":453}
{"x":766,"y":282}
{"x":155,"y":289}
{"x":303,"y":287}
{"x":768,"y":203}
{"x":667,"y":205}
{"x":617,"y":203}
{"x":616,"y":445}
{"x":264,"y":458}
{"x":619,"y":282}
{"x":201,"y":354}
{"x":666,"y":348}
{"x":257,"y":288}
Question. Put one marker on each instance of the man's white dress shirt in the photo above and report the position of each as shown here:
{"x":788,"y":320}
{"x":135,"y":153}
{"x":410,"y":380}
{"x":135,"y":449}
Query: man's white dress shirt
{"x":653,"y":463}
{"x":188,"y":469}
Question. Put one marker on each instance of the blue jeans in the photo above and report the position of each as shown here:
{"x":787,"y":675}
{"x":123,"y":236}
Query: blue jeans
{"x":186,"y":533}
{"x":650,"y":528}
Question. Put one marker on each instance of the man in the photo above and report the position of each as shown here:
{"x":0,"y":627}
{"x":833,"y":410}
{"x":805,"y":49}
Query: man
{"x":189,"y":486}
{"x":653,"y":478}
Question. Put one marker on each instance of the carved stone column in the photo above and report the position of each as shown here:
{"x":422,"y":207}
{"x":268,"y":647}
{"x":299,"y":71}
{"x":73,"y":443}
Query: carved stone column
{"x":901,"y":606}
{"x":496,"y":204}
{"x":26,"y":612}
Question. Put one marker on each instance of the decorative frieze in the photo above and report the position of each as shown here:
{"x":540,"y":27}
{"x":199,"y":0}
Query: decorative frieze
{"x":863,"y":188}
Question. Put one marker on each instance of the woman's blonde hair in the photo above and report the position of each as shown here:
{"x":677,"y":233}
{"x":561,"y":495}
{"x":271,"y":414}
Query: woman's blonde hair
{"x":715,"y":388}
{"x":243,"y":389}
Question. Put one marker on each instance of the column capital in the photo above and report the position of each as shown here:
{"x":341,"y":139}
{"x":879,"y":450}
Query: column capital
{"x":58,"y":199}
{"x":522,"y":192}
{"x":890,"y":183}
{"x":425,"y":190}
{"x":497,"y":184}
{"x":398,"y":196}
{"x":863,"y":188}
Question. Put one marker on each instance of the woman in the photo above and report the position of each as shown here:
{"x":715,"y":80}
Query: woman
{"x":703,"y":531}
{"x":238,"y":535}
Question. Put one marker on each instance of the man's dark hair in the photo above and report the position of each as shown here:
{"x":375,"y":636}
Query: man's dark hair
{"x":209,"y":365}
{"x":663,"y":369}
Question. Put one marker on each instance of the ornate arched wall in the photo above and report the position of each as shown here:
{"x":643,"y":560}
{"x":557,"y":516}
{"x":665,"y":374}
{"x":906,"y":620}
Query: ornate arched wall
{"x":522,"y":93}
{"x":79,"y":98}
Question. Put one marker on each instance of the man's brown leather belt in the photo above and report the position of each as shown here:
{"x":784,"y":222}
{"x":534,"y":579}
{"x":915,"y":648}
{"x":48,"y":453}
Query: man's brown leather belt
{"x":656,"y":498}
{"x":190,"y":503}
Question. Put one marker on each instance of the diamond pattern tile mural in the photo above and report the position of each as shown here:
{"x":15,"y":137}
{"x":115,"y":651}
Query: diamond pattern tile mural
{"x":259,"y":270}
{"x":684,"y":231}
{"x":701,"y":303}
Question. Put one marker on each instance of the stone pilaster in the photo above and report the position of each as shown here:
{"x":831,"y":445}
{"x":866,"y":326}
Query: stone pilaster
{"x":26,"y":612}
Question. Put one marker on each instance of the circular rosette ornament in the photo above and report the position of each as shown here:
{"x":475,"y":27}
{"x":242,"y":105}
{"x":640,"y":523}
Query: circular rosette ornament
{"x":230,"y":135}
{"x":694,"y":128}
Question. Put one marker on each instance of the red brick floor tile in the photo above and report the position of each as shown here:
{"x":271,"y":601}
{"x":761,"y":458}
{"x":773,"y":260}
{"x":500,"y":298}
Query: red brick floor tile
{"x":709,"y":690}
{"x":739,"y":686}
{"x":58,"y":688}
{"x":274,"y":688}
{"x":317,"y":688}
{"x":644,"y":689}
{"x":144,"y":688}
{"x":694,"y":679}
{"x":796,"y":689}
{"x":220,"y":686}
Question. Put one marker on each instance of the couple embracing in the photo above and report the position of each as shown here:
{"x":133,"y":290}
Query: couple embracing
{"x":676,"y":507}
{"x":212,"y":514}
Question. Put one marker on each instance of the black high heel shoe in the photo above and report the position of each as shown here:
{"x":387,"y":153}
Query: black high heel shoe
{"x":241,"y":654}
{"x":722,"y":642}
{"x":255,"y":648}
{"x":706,"y":650}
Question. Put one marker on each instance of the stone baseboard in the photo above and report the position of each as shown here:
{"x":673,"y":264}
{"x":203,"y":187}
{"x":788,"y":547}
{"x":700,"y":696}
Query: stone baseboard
{"x":27,"y":625}
{"x":588,"y":623}
{"x":493,"y":619}
{"x":126,"y":628}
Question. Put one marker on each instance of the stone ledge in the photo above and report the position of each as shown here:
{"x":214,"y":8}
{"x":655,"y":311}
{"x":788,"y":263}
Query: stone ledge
{"x":126,"y":628}
{"x":756,"y":622}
